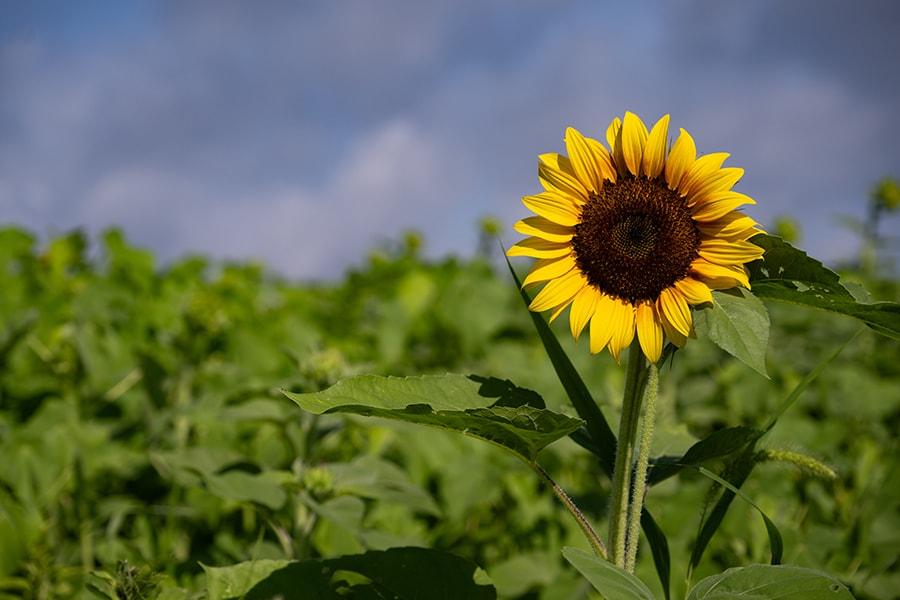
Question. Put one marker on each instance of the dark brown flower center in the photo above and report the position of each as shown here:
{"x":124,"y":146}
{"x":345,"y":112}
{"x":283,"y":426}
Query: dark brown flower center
{"x":636,"y":238}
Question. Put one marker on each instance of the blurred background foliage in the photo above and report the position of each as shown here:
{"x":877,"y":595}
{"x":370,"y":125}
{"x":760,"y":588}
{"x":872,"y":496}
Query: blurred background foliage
{"x":142,"y":433}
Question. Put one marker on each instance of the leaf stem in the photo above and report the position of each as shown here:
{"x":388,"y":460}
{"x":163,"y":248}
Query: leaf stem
{"x":589,"y":532}
{"x":622,"y":475}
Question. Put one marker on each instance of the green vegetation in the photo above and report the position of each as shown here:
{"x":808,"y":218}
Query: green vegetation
{"x":145,"y":447}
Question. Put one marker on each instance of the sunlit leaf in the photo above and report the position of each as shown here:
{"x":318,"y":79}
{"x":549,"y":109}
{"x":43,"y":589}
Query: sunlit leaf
{"x":452,"y":402}
{"x":739,"y":324}
{"x":785,"y":274}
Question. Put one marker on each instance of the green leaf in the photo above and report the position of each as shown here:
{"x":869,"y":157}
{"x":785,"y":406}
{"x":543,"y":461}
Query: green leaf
{"x":739,"y":324}
{"x":659,"y":548}
{"x":785,"y":274}
{"x":400,"y":573}
{"x":452,"y":402}
{"x":607,"y":578}
{"x":718,"y":444}
{"x":775,"y":542}
{"x":248,"y":487}
{"x":762,"y":582}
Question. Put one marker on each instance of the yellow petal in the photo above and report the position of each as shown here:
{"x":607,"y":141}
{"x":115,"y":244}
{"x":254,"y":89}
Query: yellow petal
{"x":634,"y":137}
{"x":623,"y":328}
{"x":555,"y":207}
{"x":614,"y":139}
{"x":681,"y":157}
{"x":602,"y":322}
{"x":703,"y":169}
{"x":612,"y":132}
{"x":558,"y":162}
{"x":655,"y":151}
{"x":556,"y":179}
{"x":732,"y":226}
{"x":721,"y":181}
{"x":584,"y":162}
{"x":538,"y":248}
{"x":583,"y":307}
{"x":549,"y":268}
{"x":675,"y":310}
{"x":718,"y":205}
{"x":649,"y":331}
{"x":545,"y":229}
{"x":729,"y":253}
{"x":694,"y":291}
{"x":558,"y":292}
{"x":604,"y":160}
{"x":719,"y":277}
{"x":675,"y":336}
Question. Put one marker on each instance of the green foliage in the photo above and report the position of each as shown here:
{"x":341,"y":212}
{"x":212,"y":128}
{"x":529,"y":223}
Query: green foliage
{"x":398,"y":573}
{"x":452,"y":402}
{"x":141,"y":421}
{"x":769,"y":581}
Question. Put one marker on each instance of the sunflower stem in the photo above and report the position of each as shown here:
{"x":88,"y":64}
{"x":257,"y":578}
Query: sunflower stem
{"x":622,"y":474}
{"x":651,"y":385}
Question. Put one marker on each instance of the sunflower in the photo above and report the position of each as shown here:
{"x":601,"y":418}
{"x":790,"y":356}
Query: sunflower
{"x":632,"y":237}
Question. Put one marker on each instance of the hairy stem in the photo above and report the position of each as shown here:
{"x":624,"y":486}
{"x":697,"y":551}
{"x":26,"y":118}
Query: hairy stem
{"x":590,"y":534}
{"x":621,"y":483}
{"x":651,"y":385}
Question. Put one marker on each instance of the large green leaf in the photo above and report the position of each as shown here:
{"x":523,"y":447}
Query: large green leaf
{"x":400,"y":573}
{"x":739,"y":324}
{"x":452,"y":402}
{"x":785,"y":274}
{"x":607,"y":578}
{"x":761,"y":582}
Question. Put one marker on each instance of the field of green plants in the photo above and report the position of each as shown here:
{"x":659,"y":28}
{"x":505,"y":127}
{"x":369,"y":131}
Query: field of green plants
{"x":147,"y":450}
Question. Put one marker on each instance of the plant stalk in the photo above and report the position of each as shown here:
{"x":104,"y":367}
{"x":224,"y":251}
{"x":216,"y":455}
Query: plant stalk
{"x":622,"y":475}
{"x":651,"y":385}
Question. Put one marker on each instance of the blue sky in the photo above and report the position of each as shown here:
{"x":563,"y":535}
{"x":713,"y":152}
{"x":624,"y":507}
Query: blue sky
{"x":304,"y":133}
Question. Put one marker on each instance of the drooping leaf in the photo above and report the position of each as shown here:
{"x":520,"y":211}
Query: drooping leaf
{"x":761,"y":582}
{"x":659,"y":548}
{"x":718,"y":444}
{"x":786,"y":274}
{"x":400,"y":573}
{"x":607,"y":578}
{"x":452,"y":402}
{"x":739,"y":324}
{"x":775,"y":542}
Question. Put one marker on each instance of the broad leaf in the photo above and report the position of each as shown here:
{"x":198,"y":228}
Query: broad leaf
{"x":739,"y":324}
{"x":400,"y":573}
{"x":607,"y":578}
{"x":761,"y":582}
{"x":785,"y":274}
{"x":452,"y":402}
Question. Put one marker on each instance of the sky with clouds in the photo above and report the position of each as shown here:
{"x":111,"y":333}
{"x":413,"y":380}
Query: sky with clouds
{"x":302,"y":134}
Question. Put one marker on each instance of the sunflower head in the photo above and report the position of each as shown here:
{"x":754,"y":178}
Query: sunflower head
{"x":632,"y":237}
